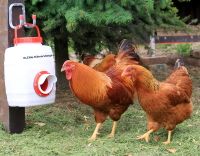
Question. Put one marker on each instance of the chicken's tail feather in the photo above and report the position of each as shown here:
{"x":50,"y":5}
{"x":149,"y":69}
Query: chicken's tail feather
{"x":127,"y":46}
{"x":127,"y":49}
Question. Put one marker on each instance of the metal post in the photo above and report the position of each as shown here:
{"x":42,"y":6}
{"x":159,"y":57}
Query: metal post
{"x":13,"y":118}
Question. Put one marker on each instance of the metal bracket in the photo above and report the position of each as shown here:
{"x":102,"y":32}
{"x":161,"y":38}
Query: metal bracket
{"x":10,"y":13}
{"x":22,"y":17}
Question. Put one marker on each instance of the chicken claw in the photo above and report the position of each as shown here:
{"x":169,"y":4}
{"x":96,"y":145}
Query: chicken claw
{"x":145,"y":136}
{"x":92,"y":138}
{"x":168,"y":138}
{"x":95,"y":133}
{"x":112,"y":134}
{"x":166,"y":142}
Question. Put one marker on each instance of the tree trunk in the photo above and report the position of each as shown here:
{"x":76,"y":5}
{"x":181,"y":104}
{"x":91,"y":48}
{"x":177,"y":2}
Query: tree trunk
{"x":61,"y":55}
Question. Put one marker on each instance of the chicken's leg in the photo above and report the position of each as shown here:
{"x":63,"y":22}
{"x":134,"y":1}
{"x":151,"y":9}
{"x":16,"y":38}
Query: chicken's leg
{"x":112,"y":134}
{"x":96,"y":132}
{"x":168,"y":138}
{"x":145,"y":136}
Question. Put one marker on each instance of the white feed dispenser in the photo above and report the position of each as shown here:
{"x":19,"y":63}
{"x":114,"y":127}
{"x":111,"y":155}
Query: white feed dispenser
{"x":29,"y":70}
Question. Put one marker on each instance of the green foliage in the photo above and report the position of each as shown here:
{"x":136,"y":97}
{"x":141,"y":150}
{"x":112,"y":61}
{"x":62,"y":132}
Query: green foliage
{"x":149,"y":5}
{"x":113,"y":14}
{"x":164,"y":46}
{"x":184,"y":49}
{"x":36,"y":1}
{"x":101,"y":23}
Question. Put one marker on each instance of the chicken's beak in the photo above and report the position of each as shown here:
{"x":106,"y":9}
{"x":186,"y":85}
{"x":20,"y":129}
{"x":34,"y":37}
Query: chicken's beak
{"x":62,"y":69}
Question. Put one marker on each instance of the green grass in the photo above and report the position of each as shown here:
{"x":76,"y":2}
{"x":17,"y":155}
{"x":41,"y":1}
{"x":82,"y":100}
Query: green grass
{"x":61,"y":129}
{"x":184,"y":49}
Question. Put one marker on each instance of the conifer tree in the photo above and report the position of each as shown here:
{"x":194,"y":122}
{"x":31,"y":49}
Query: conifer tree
{"x":90,"y":23}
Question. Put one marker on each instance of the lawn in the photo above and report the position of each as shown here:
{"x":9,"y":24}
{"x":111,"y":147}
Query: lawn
{"x":64,"y":127}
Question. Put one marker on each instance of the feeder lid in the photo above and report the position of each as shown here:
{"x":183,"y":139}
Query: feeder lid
{"x":27,"y":40}
{"x":37,"y":39}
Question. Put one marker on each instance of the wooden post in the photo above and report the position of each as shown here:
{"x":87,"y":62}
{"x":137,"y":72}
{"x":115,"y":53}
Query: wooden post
{"x":13,"y":118}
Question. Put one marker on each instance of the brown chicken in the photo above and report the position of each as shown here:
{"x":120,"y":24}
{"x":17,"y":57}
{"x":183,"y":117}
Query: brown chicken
{"x":100,"y":64}
{"x":91,"y":60}
{"x":106,"y":92}
{"x":106,"y":63}
{"x":166,"y":103}
{"x":103,"y":64}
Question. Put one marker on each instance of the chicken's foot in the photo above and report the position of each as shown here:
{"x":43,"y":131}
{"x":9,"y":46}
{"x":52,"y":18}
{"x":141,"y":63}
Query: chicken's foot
{"x":145,"y":136}
{"x":112,"y":134}
{"x":168,"y":138}
{"x":95,"y":133}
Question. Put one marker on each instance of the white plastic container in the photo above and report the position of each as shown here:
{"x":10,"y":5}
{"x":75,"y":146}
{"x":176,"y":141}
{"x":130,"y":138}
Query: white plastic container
{"x":29,"y":70}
